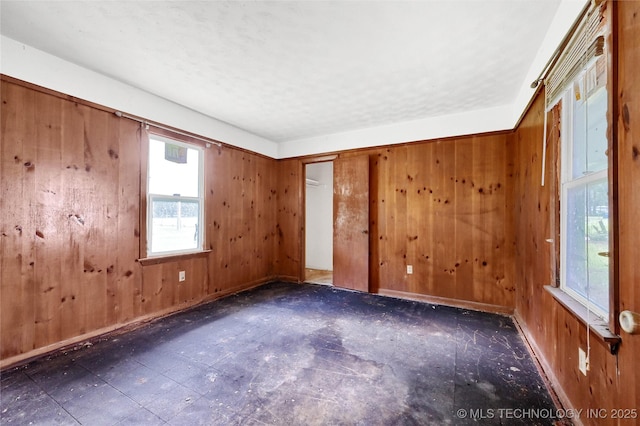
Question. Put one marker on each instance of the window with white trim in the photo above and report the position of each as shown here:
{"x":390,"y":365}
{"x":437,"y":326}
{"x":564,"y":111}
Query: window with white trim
{"x":584,"y":189}
{"x":175,"y":197}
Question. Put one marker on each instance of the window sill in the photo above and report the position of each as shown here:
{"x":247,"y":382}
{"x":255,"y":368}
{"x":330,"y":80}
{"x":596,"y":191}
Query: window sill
{"x":598,"y":326}
{"x":156,"y":260}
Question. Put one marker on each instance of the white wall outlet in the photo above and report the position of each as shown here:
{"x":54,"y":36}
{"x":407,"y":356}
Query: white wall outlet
{"x":182,"y":276}
{"x":409,"y":269}
{"x":583,"y":361}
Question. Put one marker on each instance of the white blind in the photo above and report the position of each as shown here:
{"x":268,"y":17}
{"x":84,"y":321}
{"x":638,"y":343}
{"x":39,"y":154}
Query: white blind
{"x":586,"y":43}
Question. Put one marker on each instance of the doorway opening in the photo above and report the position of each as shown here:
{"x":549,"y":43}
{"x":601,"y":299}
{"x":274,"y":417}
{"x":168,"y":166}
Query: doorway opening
{"x":319,"y":223}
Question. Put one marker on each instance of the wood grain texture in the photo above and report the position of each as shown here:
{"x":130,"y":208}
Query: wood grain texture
{"x":628,"y":153}
{"x":612,"y":382}
{"x":17,"y":329}
{"x":441,"y":206}
{"x":60,"y":186}
{"x":444,"y":207}
{"x":290,"y":220}
{"x":351,"y":223}
{"x":241,"y":210}
{"x":71,"y":198}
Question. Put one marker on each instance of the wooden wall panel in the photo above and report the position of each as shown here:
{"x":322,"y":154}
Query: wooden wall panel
{"x":47,"y":218}
{"x":66,"y":221}
{"x":628,"y":127}
{"x":613,"y":382}
{"x":217,"y":238}
{"x":241,"y":206}
{"x":532,"y":215}
{"x":381,"y":207}
{"x":128,"y":284}
{"x":73,"y":170}
{"x":290,"y":223}
{"x":70,"y":231}
{"x":265,"y":210}
{"x":376,"y":226}
{"x":17,"y":181}
{"x":465,"y":264}
{"x":445,"y":220}
{"x":394,"y":194}
{"x":441,"y":206}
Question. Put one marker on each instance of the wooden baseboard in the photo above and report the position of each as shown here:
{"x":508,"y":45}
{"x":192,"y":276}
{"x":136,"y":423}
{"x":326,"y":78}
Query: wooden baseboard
{"x":287,"y":278}
{"x":70,"y":343}
{"x":561,"y":399}
{"x":456,"y":303}
{"x":237,"y":289}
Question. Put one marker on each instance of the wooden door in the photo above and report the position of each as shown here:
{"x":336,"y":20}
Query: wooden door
{"x":351,"y":223}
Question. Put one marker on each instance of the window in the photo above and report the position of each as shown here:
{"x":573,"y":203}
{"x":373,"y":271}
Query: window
{"x":174,"y":197}
{"x":584,"y":189}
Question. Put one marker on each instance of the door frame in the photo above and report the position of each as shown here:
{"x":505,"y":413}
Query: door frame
{"x":303,"y":209}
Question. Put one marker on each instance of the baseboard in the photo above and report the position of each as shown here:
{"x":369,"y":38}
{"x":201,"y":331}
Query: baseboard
{"x":456,"y":303}
{"x":287,"y":278}
{"x":237,"y":289}
{"x":72,"y":342}
{"x":561,"y":399}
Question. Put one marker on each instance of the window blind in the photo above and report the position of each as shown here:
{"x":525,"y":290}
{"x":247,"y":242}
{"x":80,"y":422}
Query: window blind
{"x":586,"y":43}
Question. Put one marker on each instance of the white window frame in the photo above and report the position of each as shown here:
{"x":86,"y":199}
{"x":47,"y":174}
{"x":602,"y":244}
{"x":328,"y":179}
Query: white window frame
{"x":158,"y":197}
{"x":567,"y":182}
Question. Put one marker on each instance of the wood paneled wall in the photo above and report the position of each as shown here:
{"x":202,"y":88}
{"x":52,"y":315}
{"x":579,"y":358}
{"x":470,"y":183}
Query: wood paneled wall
{"x":443,"y":207}
{"x":241,"y":219}
{"x":290,"y":219}
{"x":70,"y":230}
{"x":70,"y":236}
{"x":613,"y":382}
{"x":628,"y":126}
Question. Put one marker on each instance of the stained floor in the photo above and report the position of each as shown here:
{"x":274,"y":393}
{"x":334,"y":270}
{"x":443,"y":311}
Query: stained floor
{"x":289,"y":354}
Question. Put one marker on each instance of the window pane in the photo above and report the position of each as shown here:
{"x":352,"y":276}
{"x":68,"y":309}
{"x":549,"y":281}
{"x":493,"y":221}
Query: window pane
{"x":579,"y":146}
{"x":598,"y":243}
{"x":576,"y":261}
{"x":174,"y":225}
{"x":589,"y":131}
{"x":587,"y":271}
{"x":597,"y":131}
{"x":171,"y":172}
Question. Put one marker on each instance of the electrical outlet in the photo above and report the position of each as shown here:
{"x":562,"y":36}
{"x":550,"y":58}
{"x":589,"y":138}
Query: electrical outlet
{"x":583,"y":361}
{"x":409,"y":269}
{"x":181,"y":276}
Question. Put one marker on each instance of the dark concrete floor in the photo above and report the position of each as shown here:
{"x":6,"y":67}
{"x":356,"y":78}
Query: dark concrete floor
{"x":288,"y":354}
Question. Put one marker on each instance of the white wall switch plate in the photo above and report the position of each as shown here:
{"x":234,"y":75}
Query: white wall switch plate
{"x":409,"y":269}
{"x":181,"y":276}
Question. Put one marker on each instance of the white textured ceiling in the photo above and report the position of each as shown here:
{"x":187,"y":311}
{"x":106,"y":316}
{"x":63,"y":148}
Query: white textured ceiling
{"x":289,"y":70}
